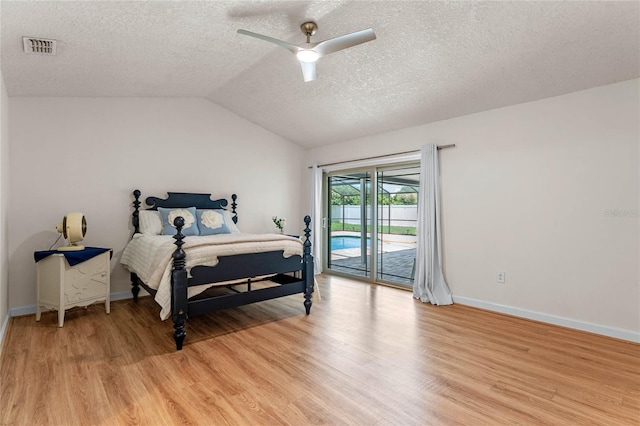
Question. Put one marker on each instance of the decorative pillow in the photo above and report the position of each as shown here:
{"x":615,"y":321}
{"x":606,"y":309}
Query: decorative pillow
{"x":169,"y":215}
{"x":228,"y":220}
{"x":149,"y":222}
{"x":211,"y":222}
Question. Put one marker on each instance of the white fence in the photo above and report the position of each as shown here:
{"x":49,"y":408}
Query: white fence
{"x":393,"y":215}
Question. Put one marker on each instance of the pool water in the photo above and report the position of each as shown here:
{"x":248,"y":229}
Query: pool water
{"x":346,"y":242}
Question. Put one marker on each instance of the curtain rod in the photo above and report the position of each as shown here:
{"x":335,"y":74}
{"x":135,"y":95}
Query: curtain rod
{"x":382,"y":156}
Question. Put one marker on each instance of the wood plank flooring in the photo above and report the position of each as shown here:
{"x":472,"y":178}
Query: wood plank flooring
{"x":367,"y":355}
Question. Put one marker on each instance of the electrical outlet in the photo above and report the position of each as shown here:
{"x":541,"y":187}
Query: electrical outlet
{"x":500,"y":276}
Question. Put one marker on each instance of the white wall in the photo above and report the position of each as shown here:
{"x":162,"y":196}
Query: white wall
{"x":89,"y":154}
{"x":528,"y":191}
{"x":4,"y":197}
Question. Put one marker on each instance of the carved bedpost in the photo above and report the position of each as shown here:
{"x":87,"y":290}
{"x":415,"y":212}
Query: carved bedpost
{"x":234,"y":197}
{"x":136,"y":211}
{"x":179,"y":286}
{"x":307,"y":271}
{"x":135,"y":289}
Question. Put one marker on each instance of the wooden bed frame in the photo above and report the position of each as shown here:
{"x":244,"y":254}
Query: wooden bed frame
{"x":293,"y":274}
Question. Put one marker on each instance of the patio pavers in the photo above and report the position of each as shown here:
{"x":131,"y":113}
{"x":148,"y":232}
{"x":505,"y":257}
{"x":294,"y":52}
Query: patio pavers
{"x":396,"y":266}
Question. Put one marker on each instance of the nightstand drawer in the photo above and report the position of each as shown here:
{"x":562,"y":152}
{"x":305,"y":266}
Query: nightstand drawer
{"x":86,"y":280}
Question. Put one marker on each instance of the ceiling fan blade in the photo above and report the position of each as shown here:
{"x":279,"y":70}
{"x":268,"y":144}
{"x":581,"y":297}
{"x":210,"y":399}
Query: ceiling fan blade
{"x":342,"y":42}
{"x":308,"y":71}
{"x":289,"y":46}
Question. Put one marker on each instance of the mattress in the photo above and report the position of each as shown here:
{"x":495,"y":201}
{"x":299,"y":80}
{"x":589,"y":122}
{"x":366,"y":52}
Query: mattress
{"x":150,"y":257}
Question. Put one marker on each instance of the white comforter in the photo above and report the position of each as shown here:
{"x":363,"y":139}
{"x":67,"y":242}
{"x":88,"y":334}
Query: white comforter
{"x":149,"y":256}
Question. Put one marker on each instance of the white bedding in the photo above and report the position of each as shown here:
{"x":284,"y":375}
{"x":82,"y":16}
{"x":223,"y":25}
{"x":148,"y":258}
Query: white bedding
{"x":149,"y":257}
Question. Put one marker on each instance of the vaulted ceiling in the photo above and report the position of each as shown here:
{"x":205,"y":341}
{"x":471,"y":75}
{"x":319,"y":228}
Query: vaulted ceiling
{"x":431,"y":60}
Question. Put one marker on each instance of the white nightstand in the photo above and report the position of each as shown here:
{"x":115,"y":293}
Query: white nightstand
{"x":61,"y":286}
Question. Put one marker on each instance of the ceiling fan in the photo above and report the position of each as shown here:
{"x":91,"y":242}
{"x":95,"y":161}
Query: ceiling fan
{"x":308,"y":53}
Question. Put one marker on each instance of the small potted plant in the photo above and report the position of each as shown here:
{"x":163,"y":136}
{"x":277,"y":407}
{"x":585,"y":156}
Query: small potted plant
{"x":279,"y":222}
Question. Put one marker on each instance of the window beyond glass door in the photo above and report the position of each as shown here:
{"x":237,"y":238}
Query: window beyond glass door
{"x":350,"y":224}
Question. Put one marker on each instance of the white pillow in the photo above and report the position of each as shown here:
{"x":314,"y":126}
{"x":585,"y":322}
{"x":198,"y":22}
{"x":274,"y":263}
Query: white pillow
{"x":149,"y":222}
{"x":228,"y":220}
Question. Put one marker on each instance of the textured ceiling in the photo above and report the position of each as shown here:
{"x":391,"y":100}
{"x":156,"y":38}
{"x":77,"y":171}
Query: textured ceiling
{"x":430,"y":61}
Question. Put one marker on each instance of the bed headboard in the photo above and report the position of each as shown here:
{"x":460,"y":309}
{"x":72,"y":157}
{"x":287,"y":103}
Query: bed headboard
{"x":182,"y":199}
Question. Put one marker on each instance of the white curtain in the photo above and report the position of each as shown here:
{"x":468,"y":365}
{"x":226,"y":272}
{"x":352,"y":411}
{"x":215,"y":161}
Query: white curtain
{"x":429,"y":284}
{"x":316,"y":218}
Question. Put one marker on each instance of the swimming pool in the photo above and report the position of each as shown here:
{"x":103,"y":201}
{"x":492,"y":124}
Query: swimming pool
{"x":346,"y":242}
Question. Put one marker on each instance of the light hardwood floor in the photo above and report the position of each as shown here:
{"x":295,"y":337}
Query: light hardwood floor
{"x":367,"y":355}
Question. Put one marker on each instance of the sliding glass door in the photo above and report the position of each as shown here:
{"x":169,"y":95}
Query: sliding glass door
{"x":350,"y":223}
{"x":372,"y":215}
{"x":397,"y":218}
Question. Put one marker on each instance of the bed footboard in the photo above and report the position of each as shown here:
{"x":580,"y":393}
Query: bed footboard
{"x":261,"y":264}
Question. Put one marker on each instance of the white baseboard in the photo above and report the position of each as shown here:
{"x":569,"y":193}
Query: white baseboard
{"x":31,"y":309}
{"x":617,"y":333}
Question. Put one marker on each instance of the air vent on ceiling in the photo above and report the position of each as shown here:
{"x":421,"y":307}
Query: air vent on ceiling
{"x":41,"y":46}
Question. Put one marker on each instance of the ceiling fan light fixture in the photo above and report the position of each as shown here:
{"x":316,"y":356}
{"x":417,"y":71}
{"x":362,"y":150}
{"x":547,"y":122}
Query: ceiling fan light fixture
{"x":305,"y":55}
